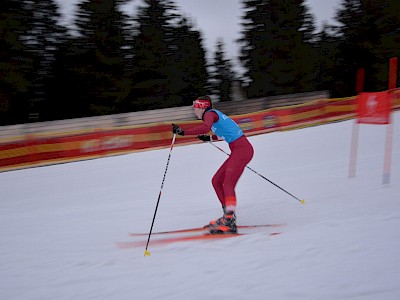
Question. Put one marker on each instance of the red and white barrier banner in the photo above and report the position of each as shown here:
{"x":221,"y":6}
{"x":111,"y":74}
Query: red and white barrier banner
{"x":374,"y":108}
{"x":59,"y":147}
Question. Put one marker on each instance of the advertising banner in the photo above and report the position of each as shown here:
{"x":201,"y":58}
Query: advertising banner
{"x":374,"y":108}
{"x":52,"y":146}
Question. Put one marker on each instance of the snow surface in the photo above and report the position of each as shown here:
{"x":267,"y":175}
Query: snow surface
{"x":60,"y":224}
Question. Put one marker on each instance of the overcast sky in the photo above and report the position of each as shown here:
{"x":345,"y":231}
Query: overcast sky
{"x":215,"y":19}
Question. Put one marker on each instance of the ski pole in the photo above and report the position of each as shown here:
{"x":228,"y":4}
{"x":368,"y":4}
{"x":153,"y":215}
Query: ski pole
{"x":301,"y":201}
{"x":146,"y":252}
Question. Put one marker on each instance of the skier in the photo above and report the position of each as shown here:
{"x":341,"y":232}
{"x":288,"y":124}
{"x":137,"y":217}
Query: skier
{"x":227,"y":176}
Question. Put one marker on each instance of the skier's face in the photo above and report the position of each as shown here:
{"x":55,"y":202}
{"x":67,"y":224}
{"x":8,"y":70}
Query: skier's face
{"x":199,"y":112}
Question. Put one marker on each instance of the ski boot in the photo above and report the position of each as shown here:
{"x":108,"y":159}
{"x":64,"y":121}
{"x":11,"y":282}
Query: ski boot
{"x":224,"y":225}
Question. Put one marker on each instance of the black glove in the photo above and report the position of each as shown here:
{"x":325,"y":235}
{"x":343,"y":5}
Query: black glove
{"x":205,"y":138}
{"x":177,"y":130}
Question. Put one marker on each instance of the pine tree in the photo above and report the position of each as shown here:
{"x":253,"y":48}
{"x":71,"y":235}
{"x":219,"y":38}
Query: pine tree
{"x":16,"y":63}
{"x":43,"y":39}
{"x":368,"y":38}
{"x":277,"y":49}
{"x":223,"y":76}
{"x":151,"y":55}
{"x":187,"y":74}
{"x":256,"y":48}
{"x":291,"y":65}
{"x":94,"y":62}
{"x":308,"y":58}
{"x":384,"y":18}
{"x":352,"y":55}
{"x":327,"y":49}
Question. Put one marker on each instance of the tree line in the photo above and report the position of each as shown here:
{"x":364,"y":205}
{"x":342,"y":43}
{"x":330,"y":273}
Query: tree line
{"x":110,"y":62}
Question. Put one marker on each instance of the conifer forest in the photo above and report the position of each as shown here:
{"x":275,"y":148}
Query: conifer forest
{"x":113,"y":62}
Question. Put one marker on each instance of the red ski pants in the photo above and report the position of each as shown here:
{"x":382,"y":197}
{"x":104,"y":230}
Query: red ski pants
{"x":227,"y":176}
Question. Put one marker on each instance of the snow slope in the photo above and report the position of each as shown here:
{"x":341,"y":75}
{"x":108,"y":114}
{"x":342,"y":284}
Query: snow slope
{"x":59,"y":225}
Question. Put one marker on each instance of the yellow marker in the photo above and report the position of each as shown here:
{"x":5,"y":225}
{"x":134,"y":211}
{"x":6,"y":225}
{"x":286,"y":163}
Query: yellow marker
{"x":146,"y":253}
{"x":302,"y":201}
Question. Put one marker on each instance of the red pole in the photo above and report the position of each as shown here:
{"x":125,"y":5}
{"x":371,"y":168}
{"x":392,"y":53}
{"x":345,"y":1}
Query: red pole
{"x":354,"y":134}
{"x":360,"y":80}
{"x":393,"y":63}
{"x":387,"y":164}
{"x":353,"y":150}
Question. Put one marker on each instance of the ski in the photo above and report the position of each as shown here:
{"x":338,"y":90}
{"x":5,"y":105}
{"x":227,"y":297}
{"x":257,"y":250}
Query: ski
{"x":171,"y":240}
{"x":186,"y":238}
{"x":201,"y":229}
